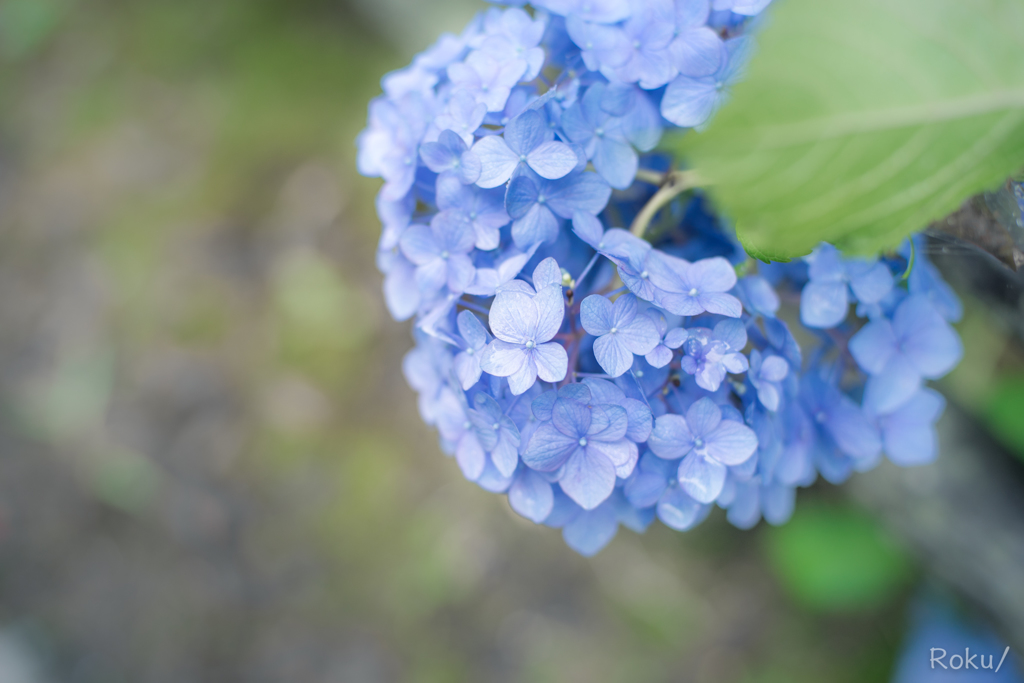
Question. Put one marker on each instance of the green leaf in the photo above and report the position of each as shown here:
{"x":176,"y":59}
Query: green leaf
{"x":859,"y":123}
{"x":836,"y":559}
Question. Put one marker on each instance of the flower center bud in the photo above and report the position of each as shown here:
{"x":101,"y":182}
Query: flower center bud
{"x":466,"y":424}
{"x":445,"y":254}
{"x":530,"y":344}
{"x":495,"y":426}
{"x":522,"y":157}
{"x":614,"y":330}
{"x":583,"y":441}
{"x":644,"y":275}
{"x":693,"y":292}
{"x":821,"y":417}
{"x":540,"y":199}
{"x":599,"y":132}
{"x":469,"y":352}
{"x":698,"y":443}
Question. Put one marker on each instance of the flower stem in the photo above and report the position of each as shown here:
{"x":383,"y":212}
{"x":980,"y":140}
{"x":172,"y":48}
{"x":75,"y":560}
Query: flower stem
{"x":672,"y":185}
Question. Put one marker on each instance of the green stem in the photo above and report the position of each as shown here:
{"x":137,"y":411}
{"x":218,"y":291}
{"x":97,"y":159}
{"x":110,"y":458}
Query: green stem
{"x":672,"y":185}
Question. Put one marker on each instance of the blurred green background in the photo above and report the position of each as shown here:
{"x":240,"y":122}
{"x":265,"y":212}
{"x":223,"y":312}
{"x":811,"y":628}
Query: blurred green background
{"x":211,"y":468}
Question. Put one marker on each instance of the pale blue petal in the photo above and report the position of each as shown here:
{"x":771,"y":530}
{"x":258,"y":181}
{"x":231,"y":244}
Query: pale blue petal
{"x":571,"y":417}
{"x":679,"y":511}
{"x":597,"y":315}
{"x":591,"y":531}
{"x":823,"y":304}
{"x":731,"y":443}
{"x":550,"y":306}
{"x":467,"y":369}
{"x":622,"y":454}
{"x":537,"y":226}
{"x":502,"y":359}
{"x":927,"y":340}
{"x":645,"y":489}
{"x":588,"y":478}
{"x":505,"y":457}
{"x":531,"y":496}
{"x":419,"y":245}
{"x":720,"y":304}
{"x":520,"y":381}
{"x":689,"y":101}
{"x":660,"y":356}
{"x":514,"y":317}
{"x":552,"y":362}
{"x":890,"y":388}
{"x":616,"y":161}
{"x":774,"y":369}
{"x":733,"y":333}
{"x":614,"y":358}
{"x":874,"y":345}
{"x":470,"y":457}
{"x":702,"y":417}
{"x":521,"y":197}
{"x":497,"y":161}
{"x":640,"y":336}
{"x":547,"y":273}
{"x":870,"y":281}
{"x":778,"y":503}
{"x":908,"y":434}
{"x":472,"y":330}
{"x":526,"y":132}
{"x":588,"y":228}
{"x":698,"y":52}
{"x":583,"y":192}
{"x":671,"y":437}
{"x":702,"y":478}
{"x":552,"y":160}
{"x":608,"y":423}
{"x":638,"y":419}
{"x":853,"y":433}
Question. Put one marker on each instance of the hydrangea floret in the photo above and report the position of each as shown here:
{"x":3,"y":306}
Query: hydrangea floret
{"x":591,"y":339}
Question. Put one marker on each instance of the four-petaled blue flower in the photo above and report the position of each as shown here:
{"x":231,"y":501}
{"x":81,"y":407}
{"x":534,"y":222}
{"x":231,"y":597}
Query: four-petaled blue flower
{"x":585,"y":444}
{"x":620,"y":329}
{"x":451,"y":155}
{"x":710,"y":355}
{"x":467,"y":362}
{"x":441,"y":254}
{"x":707,"y":444}
{"x":916,"y":344}
{"x":825,"y":299}
{"x":497,"y":433}
{"x":685,"y":288}
{"x":524,"y":325}
{"x":528,"y":141}
{"x":536,"y":205}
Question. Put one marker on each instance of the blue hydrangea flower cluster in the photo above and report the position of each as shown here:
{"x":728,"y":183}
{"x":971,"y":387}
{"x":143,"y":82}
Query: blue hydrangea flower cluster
{"x":599,"y":377}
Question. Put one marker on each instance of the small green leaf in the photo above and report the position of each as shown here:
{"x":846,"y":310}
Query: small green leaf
{"x":836,"y":559}
{"x":861,"y":122}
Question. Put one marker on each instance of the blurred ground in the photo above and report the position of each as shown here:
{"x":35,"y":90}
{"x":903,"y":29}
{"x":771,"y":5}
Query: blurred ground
{"x":211,"y":468}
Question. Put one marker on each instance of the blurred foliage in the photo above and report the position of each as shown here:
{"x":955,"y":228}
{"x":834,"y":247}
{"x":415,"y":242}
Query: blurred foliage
{"x":860,"y":123}
{"x":836,"y":558}
{"x":1004,"y":412}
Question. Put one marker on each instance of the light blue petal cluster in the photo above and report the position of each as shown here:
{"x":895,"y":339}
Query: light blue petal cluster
{"x":596,"y":378}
